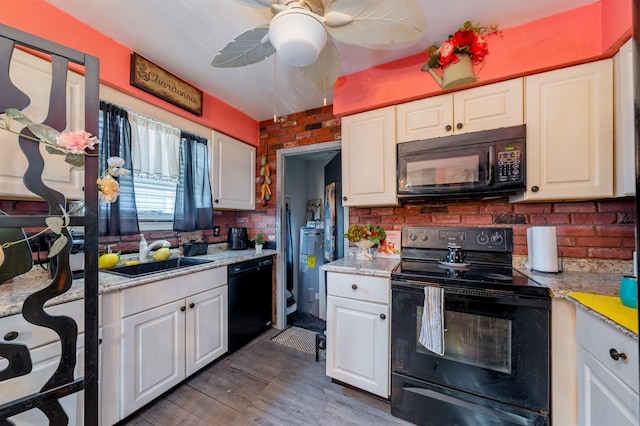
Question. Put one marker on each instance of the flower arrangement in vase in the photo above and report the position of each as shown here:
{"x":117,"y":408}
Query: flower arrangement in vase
{"x":457,"y":55}
{"x":365,"y":237}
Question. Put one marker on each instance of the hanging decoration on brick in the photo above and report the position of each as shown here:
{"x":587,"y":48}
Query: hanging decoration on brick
{"x":265,"y":179}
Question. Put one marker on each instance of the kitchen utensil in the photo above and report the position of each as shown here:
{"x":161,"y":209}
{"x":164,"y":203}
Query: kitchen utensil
{"x":455,"y":254}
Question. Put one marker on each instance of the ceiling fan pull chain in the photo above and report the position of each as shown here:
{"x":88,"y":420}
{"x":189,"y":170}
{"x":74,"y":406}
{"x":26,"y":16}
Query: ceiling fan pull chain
{"x":275,"y":88}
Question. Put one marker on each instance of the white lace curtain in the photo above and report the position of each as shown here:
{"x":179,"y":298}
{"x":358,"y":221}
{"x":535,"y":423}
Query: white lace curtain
{"x":155,"y":148}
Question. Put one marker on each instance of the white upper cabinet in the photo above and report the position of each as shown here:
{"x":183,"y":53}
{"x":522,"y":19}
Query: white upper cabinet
{"x":32,"y":75}
{"x":569,"y":117}
{"x":625,"y":184}
{"x":233,"y":165}
{"x":369,"y":158}
{"x":480,"y":108}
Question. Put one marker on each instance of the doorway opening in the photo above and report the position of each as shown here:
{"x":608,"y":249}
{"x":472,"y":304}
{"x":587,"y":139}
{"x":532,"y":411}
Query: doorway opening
{"x":309,"y":228}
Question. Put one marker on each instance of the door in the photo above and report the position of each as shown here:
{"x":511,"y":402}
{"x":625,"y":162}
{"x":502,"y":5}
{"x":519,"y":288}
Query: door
{"x":206,"y":332}
{"x":369,"y":158}
{"x":358,"y":344}
{"x":45,"y":360}
{"x":153,"y":354}
{"x":604,"y":398}
{"x":495,"y":345}
{"x":232,"y":173}
{"x":569,"y":115}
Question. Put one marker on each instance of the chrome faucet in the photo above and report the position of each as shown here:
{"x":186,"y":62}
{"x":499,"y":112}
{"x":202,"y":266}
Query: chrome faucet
{"x":144,"y":248}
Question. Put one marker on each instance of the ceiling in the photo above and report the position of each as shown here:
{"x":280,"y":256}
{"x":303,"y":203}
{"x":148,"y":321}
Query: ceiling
{"x":183,"y":36}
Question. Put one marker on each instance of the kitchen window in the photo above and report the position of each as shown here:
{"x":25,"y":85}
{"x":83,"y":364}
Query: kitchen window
{"x":169,"y":187}
{"x":155,"y":153}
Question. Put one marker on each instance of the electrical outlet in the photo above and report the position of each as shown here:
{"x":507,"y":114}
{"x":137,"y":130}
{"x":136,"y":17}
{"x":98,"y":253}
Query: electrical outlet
{"x":216,"y":231}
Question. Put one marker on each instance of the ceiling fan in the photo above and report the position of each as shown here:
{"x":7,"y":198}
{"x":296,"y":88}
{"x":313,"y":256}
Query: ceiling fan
{"x":302,"y":32}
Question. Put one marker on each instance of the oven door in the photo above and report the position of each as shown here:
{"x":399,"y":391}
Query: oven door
{"x":496,"y":345}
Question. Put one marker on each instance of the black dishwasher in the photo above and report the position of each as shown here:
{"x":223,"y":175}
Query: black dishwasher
{"x":250,"y":300}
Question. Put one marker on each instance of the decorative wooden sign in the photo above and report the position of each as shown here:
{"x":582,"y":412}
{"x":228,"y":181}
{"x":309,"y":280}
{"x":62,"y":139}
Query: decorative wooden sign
{"x":151,"y":78}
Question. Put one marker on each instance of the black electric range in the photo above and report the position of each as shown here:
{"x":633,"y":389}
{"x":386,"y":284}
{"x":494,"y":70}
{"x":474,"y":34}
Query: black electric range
{"x":492,"y":365}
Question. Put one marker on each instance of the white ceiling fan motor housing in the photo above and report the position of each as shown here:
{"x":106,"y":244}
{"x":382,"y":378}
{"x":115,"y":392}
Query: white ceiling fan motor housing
{"x":298,"y":35}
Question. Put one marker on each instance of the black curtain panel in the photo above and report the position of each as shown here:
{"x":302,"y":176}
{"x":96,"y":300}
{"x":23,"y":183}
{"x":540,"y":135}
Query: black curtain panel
{"x":194,"y":207}
{"x":120,"y":217}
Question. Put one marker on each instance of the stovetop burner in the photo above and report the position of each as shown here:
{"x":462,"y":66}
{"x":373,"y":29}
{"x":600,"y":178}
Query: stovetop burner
{"x":487,"y":263}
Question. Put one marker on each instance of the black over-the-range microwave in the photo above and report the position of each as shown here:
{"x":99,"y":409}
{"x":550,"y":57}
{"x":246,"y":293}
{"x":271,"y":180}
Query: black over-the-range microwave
{"x":478,"y":164}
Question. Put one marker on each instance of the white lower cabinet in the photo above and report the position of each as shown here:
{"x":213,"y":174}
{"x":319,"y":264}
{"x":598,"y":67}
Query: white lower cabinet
{"x":170,"y":329}
{"x":44,"y":351}
{"x":358,"y":331}
{"x":153,"y":351}
{"x":206,"y":336}
{"x":607,"y":374}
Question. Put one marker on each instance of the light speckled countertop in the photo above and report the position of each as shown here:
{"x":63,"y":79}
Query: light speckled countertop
{"x":13,"y":294}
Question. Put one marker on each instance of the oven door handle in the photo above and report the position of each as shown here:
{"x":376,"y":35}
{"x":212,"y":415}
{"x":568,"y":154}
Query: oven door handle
{"x":491,"y":163}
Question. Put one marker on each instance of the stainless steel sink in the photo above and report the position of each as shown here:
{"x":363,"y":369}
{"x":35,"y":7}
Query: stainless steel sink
{"x":156,"y":267}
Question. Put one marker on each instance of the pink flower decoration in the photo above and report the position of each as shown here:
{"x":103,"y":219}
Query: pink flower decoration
{"x":76,"y":142}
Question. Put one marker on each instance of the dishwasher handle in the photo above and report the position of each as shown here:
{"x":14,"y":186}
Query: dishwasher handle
{"x":252,"y":265}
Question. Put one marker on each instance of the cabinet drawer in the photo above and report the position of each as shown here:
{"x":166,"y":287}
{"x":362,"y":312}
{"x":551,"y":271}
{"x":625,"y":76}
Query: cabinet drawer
{"x":34,"y":336}
{"x":598,"y":338}
{"x":147,"y":296}
{"x":359,"y":287}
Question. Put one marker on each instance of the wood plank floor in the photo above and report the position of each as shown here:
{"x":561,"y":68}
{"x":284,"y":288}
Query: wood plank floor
{"x":265,"y":383}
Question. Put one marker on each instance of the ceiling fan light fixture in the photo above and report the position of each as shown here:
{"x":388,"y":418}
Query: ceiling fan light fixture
{"x":298,"y":36}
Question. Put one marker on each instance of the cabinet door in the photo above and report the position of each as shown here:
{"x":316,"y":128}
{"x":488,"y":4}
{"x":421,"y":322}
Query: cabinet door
{"x":472,"y":110}
{"x":233,"y":165}
{"x":604,"y":399}
{"x":570,"y":133}
{"x":425,"y":119}
{"x":33,"y":76}
{"x":207,"y":337}
{"x":369,"y":158}
{"x":358,"y":344}
{"x":625,"y":184}
{"x":153,"y":354}
{"x":489,"y":107}
{"x":45,"y":360}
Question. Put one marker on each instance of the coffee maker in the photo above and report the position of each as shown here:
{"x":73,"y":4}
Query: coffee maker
{"x":237,"y":238}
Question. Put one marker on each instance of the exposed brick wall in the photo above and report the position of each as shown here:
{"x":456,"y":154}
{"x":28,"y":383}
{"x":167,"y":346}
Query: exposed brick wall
{"x":601,"y":229}
{"x":299,"y":129}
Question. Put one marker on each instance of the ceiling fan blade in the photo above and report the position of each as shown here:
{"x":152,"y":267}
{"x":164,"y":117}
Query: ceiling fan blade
{"x":375,"y":22}
{"x":257,"y":3}
{"x":248,"y":48}
{"x":324,"y":72}
{"x":316,"y":6}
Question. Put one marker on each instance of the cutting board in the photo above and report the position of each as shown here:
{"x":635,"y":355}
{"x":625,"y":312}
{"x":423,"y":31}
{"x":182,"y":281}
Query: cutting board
{"x":610,"y":307}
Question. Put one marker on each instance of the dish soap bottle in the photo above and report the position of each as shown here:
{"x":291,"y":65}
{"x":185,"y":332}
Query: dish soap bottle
{"x":142,"y":247}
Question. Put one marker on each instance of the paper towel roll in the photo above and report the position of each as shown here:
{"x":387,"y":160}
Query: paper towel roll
{"x":543,"y":248}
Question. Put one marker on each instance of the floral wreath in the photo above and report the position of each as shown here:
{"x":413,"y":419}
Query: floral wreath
{"x":467,"y":39}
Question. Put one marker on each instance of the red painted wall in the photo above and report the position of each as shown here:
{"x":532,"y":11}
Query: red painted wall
{"x":580,"y":35}
{"x":42,"y":19}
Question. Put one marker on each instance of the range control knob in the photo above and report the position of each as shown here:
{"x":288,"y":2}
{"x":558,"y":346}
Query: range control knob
{"x":482,"y":238}
{"x":424,"y":237}
{"x":413,"y":237}
{"x":497,"y":239}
